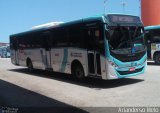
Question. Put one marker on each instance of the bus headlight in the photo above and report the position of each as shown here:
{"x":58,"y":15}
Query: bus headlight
{"x":113,"y":64}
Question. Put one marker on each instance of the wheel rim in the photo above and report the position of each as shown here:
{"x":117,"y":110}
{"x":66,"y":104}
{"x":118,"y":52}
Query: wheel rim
{"x":79,"y":72}
{"x":157,"y":59}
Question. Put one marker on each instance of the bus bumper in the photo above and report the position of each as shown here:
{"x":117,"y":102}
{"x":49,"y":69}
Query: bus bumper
{"x":126,"y":71}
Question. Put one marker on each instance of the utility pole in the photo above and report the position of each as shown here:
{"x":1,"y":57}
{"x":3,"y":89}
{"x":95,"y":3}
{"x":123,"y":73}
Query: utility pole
{"x":140,"y":8}
{"x":123,"y":5}
{"x":105,"y":1}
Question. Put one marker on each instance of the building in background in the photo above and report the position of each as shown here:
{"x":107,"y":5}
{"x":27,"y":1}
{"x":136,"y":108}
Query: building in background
{"x":4,"y":50}
{"x":4,"y":44}
{"x":150,"y":12}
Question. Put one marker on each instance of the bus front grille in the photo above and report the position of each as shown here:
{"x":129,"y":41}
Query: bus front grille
{"x":130,"y":72}
{"x":128,"y":58}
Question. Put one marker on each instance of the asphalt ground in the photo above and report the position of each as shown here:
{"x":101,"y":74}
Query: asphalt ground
{"x":54,"y":92}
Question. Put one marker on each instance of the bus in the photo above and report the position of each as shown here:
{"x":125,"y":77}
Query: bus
{"x":5,"y":52}
{"x":109,"y":46}
{"x":152,"y":37}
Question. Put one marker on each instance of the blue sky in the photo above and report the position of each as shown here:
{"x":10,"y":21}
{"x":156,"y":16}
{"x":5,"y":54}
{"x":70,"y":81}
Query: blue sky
{"x":20,"y":15}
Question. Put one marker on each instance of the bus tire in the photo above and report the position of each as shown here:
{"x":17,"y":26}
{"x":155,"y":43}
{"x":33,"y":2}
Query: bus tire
{"x":77,"y":70}
{"x":157,"y":58}
{"x":29,"y":65}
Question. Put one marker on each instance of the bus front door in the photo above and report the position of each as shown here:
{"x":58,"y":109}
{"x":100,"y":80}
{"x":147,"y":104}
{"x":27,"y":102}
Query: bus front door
{"x":94,"y":61}
{"x":94,"y":66}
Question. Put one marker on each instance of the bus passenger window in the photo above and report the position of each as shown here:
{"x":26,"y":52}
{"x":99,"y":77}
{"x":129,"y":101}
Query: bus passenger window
{"x":89,"y":33}
{"x":60,"y":38}
{"x":75,"y":36}
{"x":97,"y":33}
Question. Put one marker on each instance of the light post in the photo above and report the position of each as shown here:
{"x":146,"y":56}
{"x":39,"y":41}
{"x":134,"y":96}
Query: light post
{"x":123,"y":5}
{"x":105,"y":1}
{"x":140,"y":8}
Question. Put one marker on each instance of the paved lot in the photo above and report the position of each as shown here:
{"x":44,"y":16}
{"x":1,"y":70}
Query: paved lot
{"x":20,"y":88}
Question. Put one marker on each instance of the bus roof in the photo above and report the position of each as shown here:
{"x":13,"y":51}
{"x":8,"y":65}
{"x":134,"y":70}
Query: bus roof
{"x":89,"y":19}
{"x":47,"y":25}
{"x":94,"y":18}
{"x":152,"y":27}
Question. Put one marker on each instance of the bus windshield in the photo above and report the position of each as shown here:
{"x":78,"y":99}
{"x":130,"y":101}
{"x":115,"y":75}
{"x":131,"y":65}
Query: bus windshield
{"x":126,"y":40}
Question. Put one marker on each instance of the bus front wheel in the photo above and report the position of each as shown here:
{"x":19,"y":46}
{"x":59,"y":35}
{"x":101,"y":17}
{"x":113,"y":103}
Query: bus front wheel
{"x":157,"y":58}
{"x":77,"y":71}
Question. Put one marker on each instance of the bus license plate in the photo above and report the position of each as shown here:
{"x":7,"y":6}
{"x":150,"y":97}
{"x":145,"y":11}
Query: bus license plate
{"x":132,"y":69}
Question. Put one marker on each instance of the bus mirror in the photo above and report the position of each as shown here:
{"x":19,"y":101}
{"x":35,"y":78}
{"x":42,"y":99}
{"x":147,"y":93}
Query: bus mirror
{"x":143,"y":30}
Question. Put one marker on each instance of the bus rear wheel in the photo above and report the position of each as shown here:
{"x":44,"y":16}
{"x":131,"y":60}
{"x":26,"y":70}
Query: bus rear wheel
{"x":77,"y":71}
{"x":29,"y":65}
{"x":157,"y":59}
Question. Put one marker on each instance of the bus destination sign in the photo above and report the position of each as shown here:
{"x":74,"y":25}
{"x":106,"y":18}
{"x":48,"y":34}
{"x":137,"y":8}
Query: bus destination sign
{"x":123,"y":19}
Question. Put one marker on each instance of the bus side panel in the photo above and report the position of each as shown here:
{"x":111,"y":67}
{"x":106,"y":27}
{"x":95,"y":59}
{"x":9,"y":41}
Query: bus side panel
{"x":110,"y":73}
{"x":104,"y":70}
{"x":79,"y":55}
{"x":56,"y":59}
{"x":33,"y":54}
{"x":155,"y":47}
{"x":16,"y":55}
{"x":62,"y":58}
{"x":22,"y":57}
{"x":36,"y":57}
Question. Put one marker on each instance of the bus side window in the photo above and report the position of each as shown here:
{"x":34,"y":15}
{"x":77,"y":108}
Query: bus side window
{"x":75,"y":36}
{"x":46,"y":40}
{"x":156,"y":36}
{"x":13,"y":43}
{"x":147,"y":37}
{"x":60,"y":38}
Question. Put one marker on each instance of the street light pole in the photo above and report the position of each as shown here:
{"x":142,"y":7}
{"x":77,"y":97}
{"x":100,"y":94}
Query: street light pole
{"x":140,"y":8}
{"x":123,"y":5}
{"x":105,"y":1}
